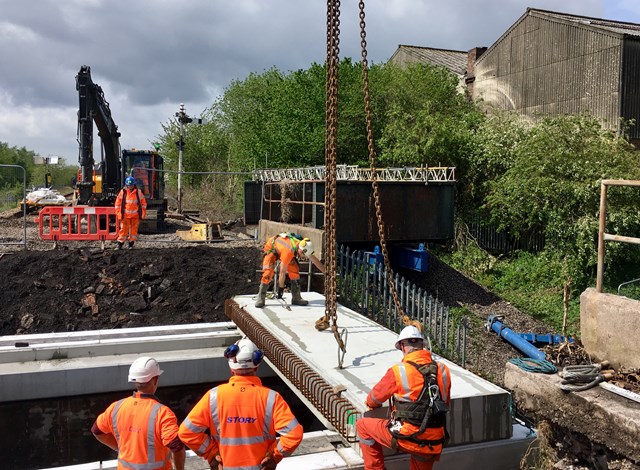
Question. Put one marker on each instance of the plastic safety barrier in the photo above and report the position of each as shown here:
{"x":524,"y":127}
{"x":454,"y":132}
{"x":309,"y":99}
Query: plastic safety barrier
{"x":77,"y":223}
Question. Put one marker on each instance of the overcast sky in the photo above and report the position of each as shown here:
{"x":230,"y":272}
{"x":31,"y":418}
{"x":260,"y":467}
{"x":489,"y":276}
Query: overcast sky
{"x":151,"y":55}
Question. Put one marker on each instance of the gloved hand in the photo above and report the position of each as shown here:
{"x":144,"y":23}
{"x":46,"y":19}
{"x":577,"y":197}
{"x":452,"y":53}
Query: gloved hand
{"x":280,"y":292}
{"x":268,"y":463}
{"x":216,"y":463}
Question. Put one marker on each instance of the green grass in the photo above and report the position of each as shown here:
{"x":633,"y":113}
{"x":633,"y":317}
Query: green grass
{"x":531,"y":283}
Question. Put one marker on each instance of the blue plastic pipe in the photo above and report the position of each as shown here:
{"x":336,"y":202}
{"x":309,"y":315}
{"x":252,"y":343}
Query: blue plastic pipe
{"x":525,"y":347}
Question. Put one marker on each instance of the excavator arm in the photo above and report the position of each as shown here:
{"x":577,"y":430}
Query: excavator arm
{"x":94,"y":108}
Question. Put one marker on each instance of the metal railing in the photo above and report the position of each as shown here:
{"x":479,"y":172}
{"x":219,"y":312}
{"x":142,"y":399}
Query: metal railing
{"x":362,"y":286}
{"x":602,"y":235}
{"x":489,"y":238}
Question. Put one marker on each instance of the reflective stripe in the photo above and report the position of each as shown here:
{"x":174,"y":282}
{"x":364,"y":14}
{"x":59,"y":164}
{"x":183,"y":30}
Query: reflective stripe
{"x":201,"y":450}
{"x":288,"y":428}
{"x":240,"y":441}
{"x":374,"y":399}
{"x":405,"y":382}
{"x":367,"y":442}
{"x":151,"y":441}
{"x":213,"y":406}
{"x":282,"y":242}
{"x":268,"y":415}
{"x":151,"y":432}
{"x":114,"y":425}
{"x":192,"y":427}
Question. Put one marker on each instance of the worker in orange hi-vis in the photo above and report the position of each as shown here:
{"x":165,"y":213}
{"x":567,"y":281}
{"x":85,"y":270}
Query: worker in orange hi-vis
{"x":143,"y":431}
{"x":287,"y":248}
{"x":140,"y":174}
{"x":131,"y":208}
{"x":234,"y":425}
{"x":420,"y":389}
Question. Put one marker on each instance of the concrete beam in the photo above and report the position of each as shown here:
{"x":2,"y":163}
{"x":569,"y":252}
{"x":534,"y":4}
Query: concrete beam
{"x":610,"y":327}
{"x":601,"y":416}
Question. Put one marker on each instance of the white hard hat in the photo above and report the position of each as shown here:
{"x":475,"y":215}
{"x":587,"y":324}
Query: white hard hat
{"x":306,"y":247}
{"x":410,"y":333}
{"x":243,"y":355}
{"x":144,"y":369}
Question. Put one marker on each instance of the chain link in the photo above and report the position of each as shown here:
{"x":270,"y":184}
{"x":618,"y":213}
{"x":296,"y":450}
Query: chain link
{"x":330,"y":318}
{"x":330,"y":285}
{"x":372,"y":160}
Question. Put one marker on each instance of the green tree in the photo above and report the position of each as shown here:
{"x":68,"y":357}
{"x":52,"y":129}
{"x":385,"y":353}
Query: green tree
{"x":425,"y":119}
{"x":554,"y":182}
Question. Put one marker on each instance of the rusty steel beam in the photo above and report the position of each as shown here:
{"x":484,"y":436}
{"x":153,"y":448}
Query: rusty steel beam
{"x":337,"y":410}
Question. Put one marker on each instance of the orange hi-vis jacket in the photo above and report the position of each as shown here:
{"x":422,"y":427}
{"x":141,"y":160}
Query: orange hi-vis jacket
{"x":404,"y":382}
{"x":143,"y":428}
{"x":240,"y":420}
{"x":127,"y":206}
{"x":284,"y":248}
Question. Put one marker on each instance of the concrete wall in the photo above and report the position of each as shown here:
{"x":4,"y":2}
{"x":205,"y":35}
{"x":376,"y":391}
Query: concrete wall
{"x":610,"y":326}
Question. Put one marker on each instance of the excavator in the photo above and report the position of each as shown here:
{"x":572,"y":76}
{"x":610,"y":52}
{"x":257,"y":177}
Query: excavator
{"x":98,"y":184}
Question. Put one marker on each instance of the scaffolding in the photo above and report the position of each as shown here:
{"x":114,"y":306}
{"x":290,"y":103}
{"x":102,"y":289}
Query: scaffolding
{"x":354,"y":173}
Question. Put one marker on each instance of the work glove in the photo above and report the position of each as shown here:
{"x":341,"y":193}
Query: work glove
{"x":216,"y":463}
{"x":280,"y":292}
{"x":268,"y":463}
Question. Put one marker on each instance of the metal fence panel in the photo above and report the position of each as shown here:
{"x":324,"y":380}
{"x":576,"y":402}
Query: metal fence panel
{"x":363,"y":287}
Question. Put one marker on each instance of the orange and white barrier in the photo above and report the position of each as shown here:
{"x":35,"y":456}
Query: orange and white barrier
{"x":77,"y":223}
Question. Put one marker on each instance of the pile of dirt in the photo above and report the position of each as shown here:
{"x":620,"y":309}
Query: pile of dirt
{"x":89,"y":289}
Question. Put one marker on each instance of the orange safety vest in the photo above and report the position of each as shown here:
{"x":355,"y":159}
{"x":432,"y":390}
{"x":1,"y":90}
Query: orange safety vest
{"x":143,"y":428}
{"x":240,"y":420}
{"x":131,"y":204}
{"x":404,"y":383}
{"x":284,"y":247}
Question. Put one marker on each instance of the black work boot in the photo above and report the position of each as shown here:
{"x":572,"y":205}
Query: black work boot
{"x":262,"y":295}
{"x":296,"y":298}
{"x":131,"y":245}
{"x":119,"y":245}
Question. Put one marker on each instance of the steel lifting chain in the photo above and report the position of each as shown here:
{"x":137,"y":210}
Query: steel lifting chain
{"x":330,"y":318}
{"x":374,"y":183}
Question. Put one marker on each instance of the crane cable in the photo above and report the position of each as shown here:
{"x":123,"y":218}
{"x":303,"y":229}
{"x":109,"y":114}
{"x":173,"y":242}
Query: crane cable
{"x":374,"y":176}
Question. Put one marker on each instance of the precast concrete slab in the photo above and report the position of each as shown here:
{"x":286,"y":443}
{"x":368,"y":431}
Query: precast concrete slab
{"x":480,"y":411}
{"x":68,"y":364}
{"x":65,"y":364}
{"x":323,"y":450}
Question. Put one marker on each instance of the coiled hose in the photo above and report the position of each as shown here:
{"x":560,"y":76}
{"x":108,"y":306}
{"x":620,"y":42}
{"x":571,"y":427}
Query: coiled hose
{"x":583,"y":377}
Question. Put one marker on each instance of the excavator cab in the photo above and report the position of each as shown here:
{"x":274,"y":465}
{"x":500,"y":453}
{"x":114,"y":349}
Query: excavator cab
{"x":146,"y":167}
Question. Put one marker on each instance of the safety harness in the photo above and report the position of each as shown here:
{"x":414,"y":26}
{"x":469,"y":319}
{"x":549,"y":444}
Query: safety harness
{"x":428,"y":411}
{"x":290,"y":236}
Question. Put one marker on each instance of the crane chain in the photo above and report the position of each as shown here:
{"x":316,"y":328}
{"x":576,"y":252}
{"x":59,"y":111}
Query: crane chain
{"x":374,"y":173}
{"x":330,"y":317}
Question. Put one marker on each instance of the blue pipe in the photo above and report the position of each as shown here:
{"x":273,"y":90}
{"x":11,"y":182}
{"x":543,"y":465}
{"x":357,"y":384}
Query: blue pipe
{"x":494,"y":323}
{"x":545,"y":338}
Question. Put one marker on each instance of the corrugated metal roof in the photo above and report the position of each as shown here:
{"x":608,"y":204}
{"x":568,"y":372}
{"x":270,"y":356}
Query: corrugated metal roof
{"x":456,"y":61}
{"x":620,"y":27}
{"x":611,"y":26}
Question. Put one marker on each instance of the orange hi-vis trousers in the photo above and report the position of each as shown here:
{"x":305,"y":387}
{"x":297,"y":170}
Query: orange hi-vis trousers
{"x":373,"y":434}
{"x":128,"y":229}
